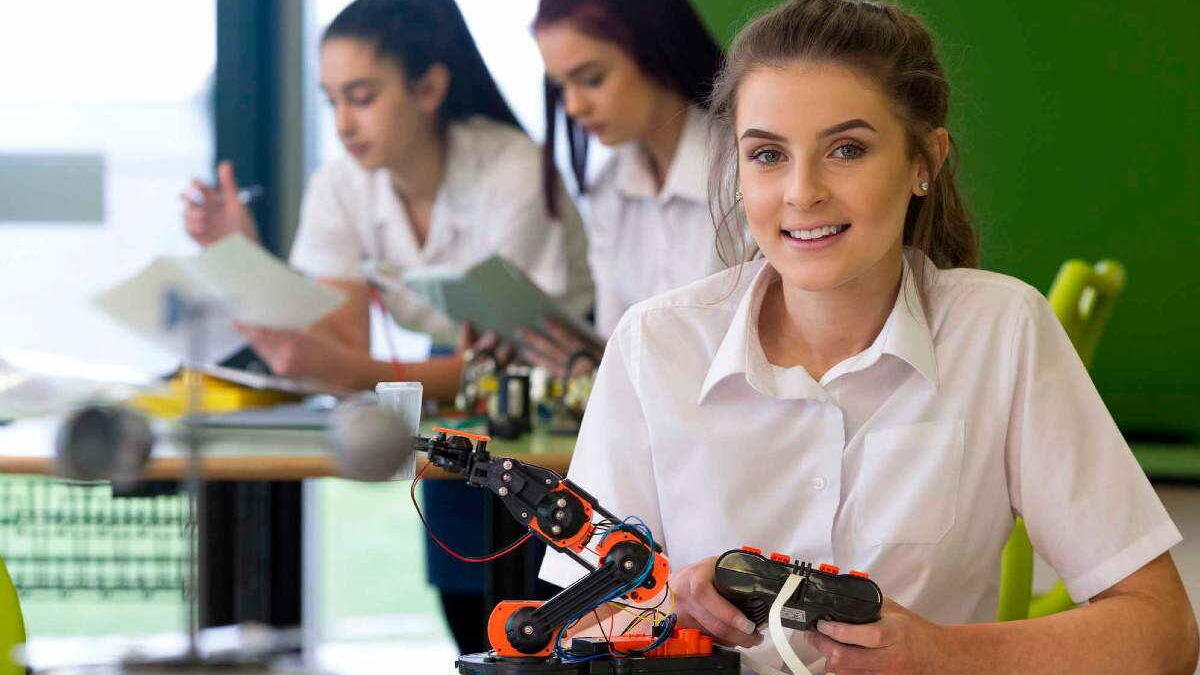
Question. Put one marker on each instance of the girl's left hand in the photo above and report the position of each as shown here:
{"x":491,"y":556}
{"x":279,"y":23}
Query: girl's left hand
{"x":556,"y":347}
{"x":900,"y":643}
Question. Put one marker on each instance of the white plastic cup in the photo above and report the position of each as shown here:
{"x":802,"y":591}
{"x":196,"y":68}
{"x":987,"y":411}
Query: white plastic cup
{"x":403,"y":399}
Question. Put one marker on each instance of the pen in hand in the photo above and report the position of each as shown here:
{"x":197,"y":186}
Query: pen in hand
{"x":213,"y":211}
{"x":245,"y":195}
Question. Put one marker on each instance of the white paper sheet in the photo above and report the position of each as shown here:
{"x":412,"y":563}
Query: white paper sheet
{"x":239,"y":278}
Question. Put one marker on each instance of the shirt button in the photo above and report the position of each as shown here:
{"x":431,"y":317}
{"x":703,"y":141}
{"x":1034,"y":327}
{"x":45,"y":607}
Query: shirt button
{"x":818,"y":483}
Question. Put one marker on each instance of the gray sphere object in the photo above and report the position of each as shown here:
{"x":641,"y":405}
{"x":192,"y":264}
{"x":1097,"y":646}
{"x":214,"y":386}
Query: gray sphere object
{"x":369,"y":443}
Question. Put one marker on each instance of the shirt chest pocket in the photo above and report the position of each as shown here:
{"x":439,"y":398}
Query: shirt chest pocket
{"x":909,"y":481}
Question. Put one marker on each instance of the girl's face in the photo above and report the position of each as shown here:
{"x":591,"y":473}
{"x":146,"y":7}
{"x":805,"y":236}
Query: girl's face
{"x":825,"y":173}
{"x":378,"y":113}
{"x":603,"y":89}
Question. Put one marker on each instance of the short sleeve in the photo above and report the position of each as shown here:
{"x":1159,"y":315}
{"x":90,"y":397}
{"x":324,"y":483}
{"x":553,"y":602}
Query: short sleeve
{"x":1089,"y":508}
{"x":612,"y":459}
{"x":328,"y":245}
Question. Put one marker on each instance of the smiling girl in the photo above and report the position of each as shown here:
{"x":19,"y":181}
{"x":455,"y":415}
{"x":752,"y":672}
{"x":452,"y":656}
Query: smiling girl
{"x":862,"y":396}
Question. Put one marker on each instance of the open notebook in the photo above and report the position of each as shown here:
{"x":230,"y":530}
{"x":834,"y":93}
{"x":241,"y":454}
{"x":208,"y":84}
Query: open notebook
{"x":493,"y":295}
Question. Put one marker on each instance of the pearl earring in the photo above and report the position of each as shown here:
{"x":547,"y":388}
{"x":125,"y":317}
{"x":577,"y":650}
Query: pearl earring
{"x":924,"y":186}
{"x":737,"y":196}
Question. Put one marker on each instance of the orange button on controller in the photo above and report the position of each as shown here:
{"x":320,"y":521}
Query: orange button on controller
{"x":828,"y":569}
{"x":781,"y":558}
{"x":751,"y":549}
{"x":856,"y":573}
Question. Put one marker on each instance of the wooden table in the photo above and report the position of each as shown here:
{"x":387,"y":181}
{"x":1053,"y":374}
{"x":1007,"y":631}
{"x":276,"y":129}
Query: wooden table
{"x":27,"y":447}
{"x":253,"y":506}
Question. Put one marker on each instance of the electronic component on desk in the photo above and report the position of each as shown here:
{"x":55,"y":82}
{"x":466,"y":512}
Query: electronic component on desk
{"x":502,"y":395}
{"x":751,"y":581}
{"x":509,"y":410}
{"x":560,"y":402}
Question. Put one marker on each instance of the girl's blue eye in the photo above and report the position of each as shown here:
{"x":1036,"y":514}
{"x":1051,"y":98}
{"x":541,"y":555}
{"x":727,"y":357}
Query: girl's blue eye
{"x":849,"y":151}
{"x":593,"y":81}
{"x":767,"y":156}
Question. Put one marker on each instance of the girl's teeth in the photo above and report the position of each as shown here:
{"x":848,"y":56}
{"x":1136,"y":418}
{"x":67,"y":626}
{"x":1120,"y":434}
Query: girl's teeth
{"x":816,"y":233}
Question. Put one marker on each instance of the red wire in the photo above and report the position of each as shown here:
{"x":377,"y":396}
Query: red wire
{"x":397,"y":369}
{"x":412,"y":491}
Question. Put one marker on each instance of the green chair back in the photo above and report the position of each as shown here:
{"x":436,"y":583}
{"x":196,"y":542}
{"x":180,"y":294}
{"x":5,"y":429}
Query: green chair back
{"x":12,"y":624}
{"x":1082,"y":297}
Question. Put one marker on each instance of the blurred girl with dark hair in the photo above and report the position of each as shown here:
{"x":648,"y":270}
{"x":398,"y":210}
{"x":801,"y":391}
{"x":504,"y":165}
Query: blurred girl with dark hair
{"x":438,"y":173}
{"x":634,"y":75}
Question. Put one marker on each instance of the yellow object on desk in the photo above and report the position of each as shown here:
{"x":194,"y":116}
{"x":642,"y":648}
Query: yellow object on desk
{"x":216,"y":395}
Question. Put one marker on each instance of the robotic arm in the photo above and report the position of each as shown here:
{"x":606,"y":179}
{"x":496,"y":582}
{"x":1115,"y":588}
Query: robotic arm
{"x":630,"y":565}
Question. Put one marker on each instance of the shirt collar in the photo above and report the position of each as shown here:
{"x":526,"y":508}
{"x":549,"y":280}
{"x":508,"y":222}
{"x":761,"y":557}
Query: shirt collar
{"x":687,"y":177}
{"x":909,"y":337}
{"x":905,"y":335}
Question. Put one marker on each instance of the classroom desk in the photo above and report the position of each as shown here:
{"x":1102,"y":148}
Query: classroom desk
{"x":255,"y":500}
{"x":27,"y":447}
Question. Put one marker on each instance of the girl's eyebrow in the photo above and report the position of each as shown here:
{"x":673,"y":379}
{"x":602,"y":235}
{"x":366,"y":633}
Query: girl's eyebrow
{"x":578,"y":71}
{"x":856,"y":123}
{"x":354,"y":84}
{"x":765,"y":135}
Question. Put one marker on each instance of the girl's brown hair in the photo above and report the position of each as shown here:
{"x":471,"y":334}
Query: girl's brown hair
{"x":894,"y":48}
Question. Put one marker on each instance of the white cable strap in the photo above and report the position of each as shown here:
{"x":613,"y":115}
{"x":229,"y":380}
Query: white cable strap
{"x":776,"y":630}
{"x":759,"y":667}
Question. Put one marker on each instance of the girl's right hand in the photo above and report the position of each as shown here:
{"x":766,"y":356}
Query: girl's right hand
{"x":698,"y":605}
{"x":220,"y":213}
{"x":559,"y":349}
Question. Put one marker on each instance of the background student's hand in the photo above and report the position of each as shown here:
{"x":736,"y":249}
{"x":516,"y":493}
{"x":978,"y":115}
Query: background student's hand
{"x":700,"y":606}
{"x":900,"y":643}
{"x":220,"y":213}
{"x":469,"y":340}
{"x":307,"y":355}
{"x":552,"y":347}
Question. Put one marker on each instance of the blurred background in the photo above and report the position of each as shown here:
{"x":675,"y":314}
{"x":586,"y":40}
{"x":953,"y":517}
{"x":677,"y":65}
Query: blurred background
{"x":1077,"y":122}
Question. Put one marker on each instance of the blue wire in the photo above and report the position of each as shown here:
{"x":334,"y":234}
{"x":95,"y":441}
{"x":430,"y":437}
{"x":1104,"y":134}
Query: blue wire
{"x":640,"y":527}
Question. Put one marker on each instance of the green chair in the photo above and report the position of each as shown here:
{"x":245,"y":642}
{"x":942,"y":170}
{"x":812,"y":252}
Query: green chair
{"x":12,"y":624}
{"x":1082,"y":297}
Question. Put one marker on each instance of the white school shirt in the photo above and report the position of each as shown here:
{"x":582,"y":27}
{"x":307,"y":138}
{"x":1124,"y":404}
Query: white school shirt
{"x":908,"y":461}
{"x":641,"y":243}
{"x":489,"y":202}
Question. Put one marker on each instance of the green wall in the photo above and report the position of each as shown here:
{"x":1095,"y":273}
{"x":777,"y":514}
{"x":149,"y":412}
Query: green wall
{"x":1078,"y":125}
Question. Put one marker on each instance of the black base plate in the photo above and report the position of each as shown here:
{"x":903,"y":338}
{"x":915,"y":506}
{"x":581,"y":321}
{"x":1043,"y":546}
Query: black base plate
{"x":723,"y":661}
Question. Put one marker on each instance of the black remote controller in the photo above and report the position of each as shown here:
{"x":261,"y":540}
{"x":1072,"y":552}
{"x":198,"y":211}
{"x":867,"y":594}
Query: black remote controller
{"x":751,"y":581}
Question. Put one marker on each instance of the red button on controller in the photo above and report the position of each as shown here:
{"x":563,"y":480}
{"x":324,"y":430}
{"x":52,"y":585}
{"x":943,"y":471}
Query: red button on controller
{"x":781,"y":558}
{"x":751,"y":549}
{"x":828,"y":569}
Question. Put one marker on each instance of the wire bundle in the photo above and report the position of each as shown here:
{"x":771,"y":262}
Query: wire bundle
{"x":637,"y":526}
